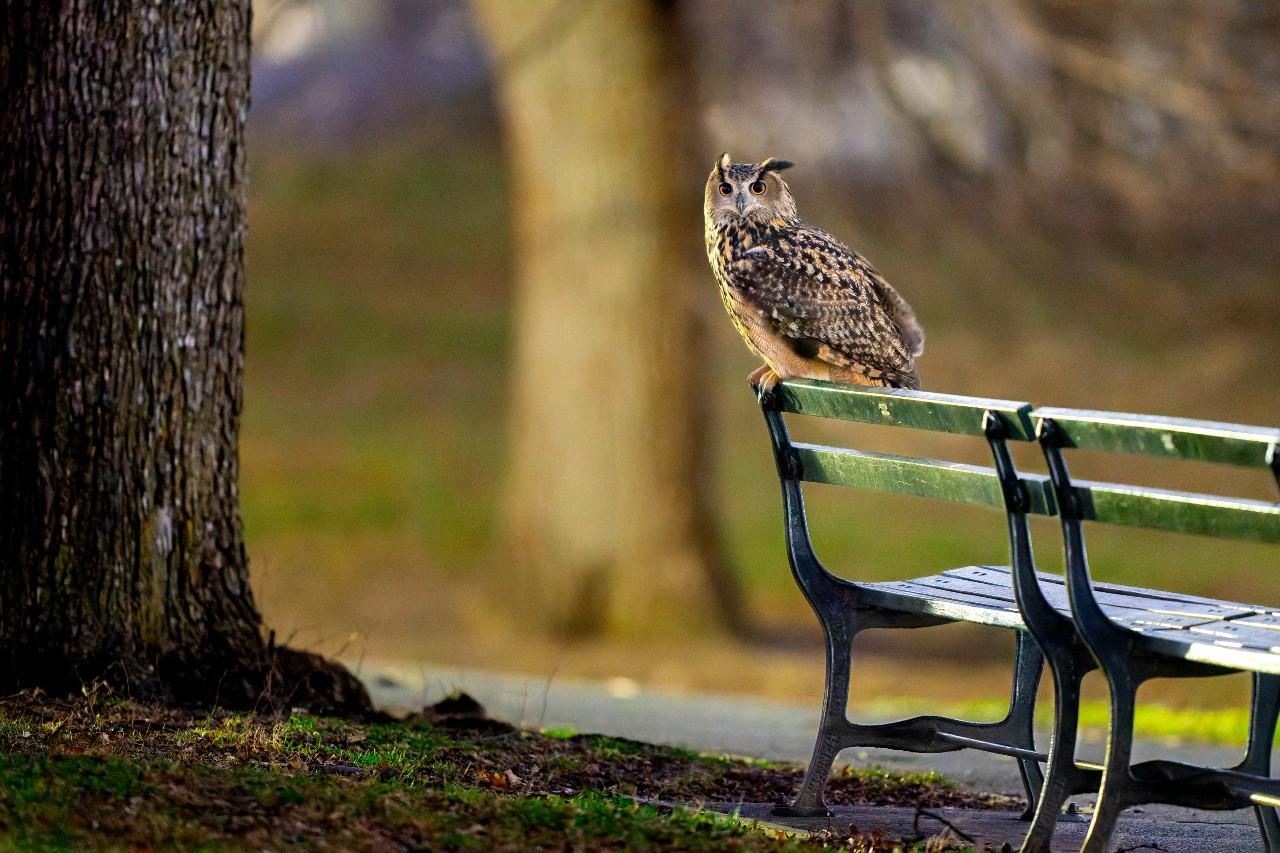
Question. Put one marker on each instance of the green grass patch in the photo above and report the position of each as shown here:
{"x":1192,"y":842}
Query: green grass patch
{"x":107,"y":774}
{"x":1220,"y":726}
{"x":559,"y":732}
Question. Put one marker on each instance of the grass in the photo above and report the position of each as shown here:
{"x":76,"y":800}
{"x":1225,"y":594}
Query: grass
{"x":96,"y":774}
{"x":73,"y":804}
{"x":1217,"y":726}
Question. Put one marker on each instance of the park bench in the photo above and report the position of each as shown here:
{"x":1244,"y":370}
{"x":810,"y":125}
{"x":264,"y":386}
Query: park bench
{"x":1077,"y":624}
{"x":1198,"y":637}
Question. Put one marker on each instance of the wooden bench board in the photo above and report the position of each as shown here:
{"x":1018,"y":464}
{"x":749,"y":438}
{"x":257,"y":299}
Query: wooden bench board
{"x":997,"y":579}
{"x":1177,"y":438}
{"x":941,"y":587}
{"x":1114,"y":503}
{"x":895,"y":407}
{"x":1182,"y":512}
{"x":984,"y":594}
{"x":911,"y":475}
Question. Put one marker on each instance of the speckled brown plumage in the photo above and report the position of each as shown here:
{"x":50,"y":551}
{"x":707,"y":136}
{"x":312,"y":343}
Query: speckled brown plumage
{"x":804,"y":302}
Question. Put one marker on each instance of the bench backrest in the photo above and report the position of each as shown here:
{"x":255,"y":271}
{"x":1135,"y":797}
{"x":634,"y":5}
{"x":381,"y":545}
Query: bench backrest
{"x":1113,"y":503}
{"x":948,"y":413}
{"x":1164,"y":509}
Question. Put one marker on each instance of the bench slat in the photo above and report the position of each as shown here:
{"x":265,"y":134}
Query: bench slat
{"x":1218,"y":652}
{"x":1240,"y":632}
{"x":1118,"y":612}
{"x":912,"y":597}
{"x":1183,"y":512}
{"x":926,"y":589}
{"x":1222,"y":634}
{"x":931,"y":478}
{"x":976,"y":594}
{"x":1178,"y":438}
{"x":1266,"y":621}
{"x":898,"y":407}
{"x":1176,"y":612}
{"x":1000,"y":575}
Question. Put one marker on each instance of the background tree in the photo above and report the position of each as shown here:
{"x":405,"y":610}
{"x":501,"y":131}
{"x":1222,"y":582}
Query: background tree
{"x":122,"y":218}
{"x":607,"y":509}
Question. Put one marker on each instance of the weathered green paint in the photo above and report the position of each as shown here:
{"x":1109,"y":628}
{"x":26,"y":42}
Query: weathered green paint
{"x":898,"y":407}
{"x":1178,"y":438}
{"x":929,"y":478}
{"x":1104,"y":502}
{"x":1183,"y":512}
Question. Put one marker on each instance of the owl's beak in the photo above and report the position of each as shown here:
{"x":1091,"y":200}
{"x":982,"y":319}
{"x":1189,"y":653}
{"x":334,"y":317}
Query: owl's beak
{"x":742,"y":202}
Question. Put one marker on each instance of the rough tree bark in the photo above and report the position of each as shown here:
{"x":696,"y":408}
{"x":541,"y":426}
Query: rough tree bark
{"x":122,"y":220}
{"x":610,"y":519}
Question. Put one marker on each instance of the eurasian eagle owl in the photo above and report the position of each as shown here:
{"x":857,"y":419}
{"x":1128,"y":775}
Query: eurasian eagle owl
{"x":804,"y":302}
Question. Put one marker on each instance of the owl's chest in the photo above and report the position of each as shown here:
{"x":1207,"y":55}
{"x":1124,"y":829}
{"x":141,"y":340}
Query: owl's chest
{"x":722,"y":248}
{"x":754,"y":324}
{"x":726,"y":248}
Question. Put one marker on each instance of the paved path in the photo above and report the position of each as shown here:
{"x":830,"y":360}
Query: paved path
{"x":994,"y":829}
{"x":737,"y":725}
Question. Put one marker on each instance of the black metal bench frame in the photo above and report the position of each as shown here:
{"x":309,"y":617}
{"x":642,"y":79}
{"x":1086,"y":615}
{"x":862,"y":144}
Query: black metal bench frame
{"x":1073,"y":626}
{"x":845,"y":608}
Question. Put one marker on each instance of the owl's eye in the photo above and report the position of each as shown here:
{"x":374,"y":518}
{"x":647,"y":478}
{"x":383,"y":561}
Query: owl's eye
{"x":725,"y":189}
{"x":757,"y":187}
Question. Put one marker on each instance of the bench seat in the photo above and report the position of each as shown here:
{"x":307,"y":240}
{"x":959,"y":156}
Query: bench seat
{"x":1188,"y":626}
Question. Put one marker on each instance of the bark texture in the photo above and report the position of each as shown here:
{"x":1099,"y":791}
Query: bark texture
{"x":610,"y":520}
{"x":122,"y":221}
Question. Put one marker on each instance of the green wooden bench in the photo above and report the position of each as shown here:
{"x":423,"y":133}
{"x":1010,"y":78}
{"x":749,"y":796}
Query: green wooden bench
{"x":1198,"y":637}
{"x":1042,"y":608}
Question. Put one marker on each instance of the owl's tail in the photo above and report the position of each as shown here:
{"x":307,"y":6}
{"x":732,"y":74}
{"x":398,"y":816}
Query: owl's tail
{"x":879,"y":378}
{"x":910,"y":381}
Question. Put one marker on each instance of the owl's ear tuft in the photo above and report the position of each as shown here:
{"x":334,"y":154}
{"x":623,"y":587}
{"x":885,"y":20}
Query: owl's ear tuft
{"x":723,"y":164}
{"x":771,"y":164}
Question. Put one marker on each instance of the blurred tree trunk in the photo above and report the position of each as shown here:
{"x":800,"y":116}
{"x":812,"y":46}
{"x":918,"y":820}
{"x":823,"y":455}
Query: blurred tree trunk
{"x":609,"y":508}
{"x":121,"y":351}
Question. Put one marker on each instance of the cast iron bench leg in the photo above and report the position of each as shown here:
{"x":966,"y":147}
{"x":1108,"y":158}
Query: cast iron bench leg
{"x":1060,"y":770}
{"x":1114,"y":793}
{"x":839,"y":627}
{"x":836,"y":732}
{"x":1257,"y":759}
{"x":1028,"y":664}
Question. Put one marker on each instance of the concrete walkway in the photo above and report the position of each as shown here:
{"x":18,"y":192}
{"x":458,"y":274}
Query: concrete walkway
{"x":995,"y":829}
{"x":759,"y":728}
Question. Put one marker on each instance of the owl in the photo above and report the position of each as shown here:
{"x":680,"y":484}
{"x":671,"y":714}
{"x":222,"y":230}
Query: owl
{"x":809,"y":306}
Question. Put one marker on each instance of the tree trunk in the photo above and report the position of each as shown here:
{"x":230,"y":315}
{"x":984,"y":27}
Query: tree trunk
{"x":608,"y":510}
{"x":122,"y":181}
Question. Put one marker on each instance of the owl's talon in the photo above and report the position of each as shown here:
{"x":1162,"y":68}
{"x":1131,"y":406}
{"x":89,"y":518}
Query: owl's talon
{"x":764,"y":381}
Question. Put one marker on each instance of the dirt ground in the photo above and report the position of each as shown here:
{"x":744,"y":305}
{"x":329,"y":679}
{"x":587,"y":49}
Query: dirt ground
{"x":102,"y":772}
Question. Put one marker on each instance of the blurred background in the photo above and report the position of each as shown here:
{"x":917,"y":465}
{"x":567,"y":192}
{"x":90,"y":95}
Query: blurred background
{"x":495,"y":414}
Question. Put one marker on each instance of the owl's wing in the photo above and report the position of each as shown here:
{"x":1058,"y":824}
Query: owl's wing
{"x":828,"y":303}
{"x":903,"y":317}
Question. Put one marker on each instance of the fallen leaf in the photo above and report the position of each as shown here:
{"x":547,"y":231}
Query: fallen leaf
{"x":493,"y":778}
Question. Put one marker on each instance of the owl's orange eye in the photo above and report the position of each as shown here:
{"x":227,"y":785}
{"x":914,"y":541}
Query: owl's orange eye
{"x":725,"y":189}
{"x":757,"y":187}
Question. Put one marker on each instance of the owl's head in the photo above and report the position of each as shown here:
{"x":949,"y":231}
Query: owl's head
{"x":753,"y":191}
